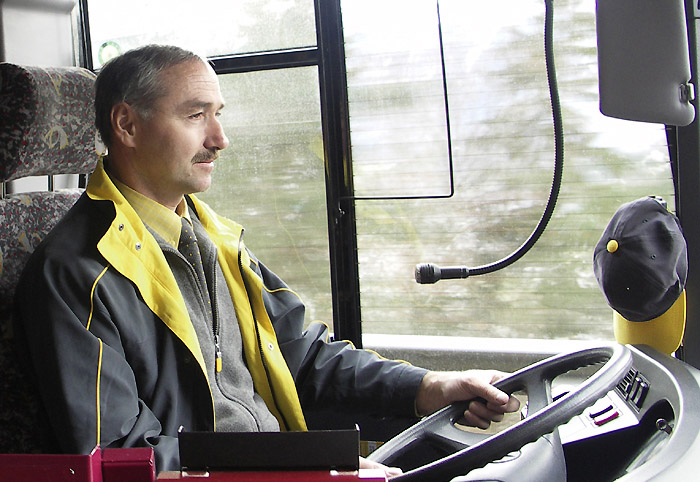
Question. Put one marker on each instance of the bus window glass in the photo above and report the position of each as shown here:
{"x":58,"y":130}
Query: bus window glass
{"x":271,"y":177}
{"x":209,"y":27}
{"x":503,"y":148}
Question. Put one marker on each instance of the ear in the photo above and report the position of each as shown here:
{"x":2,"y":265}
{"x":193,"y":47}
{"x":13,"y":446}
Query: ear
{"x":124,"y":122}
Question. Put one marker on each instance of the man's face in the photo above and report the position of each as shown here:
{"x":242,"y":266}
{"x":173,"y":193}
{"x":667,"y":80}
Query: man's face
{"x":178,"y":142}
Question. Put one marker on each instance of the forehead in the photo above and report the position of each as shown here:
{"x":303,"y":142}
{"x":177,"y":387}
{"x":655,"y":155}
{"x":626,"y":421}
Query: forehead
{"x":191,"y":82}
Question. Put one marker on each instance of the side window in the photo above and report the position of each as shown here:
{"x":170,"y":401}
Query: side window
{"x":503,"y":150}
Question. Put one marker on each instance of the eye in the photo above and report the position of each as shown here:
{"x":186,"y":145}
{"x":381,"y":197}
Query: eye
{"x":197,"y":115}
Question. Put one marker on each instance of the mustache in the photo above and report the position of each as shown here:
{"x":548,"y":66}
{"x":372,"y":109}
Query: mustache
{"x":206,"y":156}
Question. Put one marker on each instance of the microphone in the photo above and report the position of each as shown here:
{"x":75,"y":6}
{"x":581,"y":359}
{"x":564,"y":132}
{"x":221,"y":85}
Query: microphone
{"x":428,"y":273}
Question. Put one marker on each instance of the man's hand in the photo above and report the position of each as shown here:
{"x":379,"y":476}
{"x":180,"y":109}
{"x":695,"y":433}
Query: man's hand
{"x":439,"y":389}
{"x":388,"y":471}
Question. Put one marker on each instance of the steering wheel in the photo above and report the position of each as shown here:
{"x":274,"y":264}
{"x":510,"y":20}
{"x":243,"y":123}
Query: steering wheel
{"x":544,"y":415}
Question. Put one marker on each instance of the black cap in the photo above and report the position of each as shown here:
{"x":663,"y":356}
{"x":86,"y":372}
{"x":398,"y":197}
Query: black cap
{"x":641,"y":260}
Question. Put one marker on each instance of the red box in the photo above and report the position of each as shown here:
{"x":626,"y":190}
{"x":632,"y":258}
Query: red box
{"x":51,"y":468}
{"x":132,"y":465}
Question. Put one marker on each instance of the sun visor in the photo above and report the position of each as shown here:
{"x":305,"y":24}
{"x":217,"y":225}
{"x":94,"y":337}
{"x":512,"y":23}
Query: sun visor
{"x":644,"y":62}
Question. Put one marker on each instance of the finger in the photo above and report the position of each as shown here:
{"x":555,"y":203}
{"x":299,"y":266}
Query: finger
{"x":485,"y":413}
{"x":388,"y":471}
{"x":392,"y":471}
{"x":512,"y":406}
{"x":477,"y":415}
{"x":472,"y":420}
{"x":491,"y":394}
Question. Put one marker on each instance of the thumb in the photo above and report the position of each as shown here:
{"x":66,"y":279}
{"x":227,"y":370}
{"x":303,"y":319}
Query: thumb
{"x":481,"y":388}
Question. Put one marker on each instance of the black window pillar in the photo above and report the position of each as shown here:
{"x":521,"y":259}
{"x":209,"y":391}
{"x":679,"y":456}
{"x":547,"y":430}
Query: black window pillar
{"x":339,"y":184}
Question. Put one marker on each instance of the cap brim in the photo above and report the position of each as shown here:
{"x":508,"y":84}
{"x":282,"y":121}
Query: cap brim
{"x":664,"y":333}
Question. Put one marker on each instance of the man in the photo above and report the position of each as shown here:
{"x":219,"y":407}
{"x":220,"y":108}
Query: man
{"x":130,"y":340}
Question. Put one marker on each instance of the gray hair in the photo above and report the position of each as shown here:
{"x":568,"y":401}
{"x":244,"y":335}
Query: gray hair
{"x":134,"y":78}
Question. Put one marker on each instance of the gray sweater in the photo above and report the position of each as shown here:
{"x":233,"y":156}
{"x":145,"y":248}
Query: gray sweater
{"x":237,"y":407}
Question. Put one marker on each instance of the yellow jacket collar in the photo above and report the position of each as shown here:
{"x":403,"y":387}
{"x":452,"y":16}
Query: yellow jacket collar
{"x":131,"y":249}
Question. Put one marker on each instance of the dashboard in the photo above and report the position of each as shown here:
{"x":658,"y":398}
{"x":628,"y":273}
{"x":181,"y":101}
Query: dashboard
{"x":646,"y":428}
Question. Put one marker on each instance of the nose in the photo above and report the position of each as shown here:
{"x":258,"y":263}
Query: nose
{"x":216,"y":137}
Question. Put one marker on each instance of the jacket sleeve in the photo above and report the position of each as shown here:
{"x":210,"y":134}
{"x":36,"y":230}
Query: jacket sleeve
{"x":87,"y":387}
{"x":338,"y":375}
{"x":335,"y":374}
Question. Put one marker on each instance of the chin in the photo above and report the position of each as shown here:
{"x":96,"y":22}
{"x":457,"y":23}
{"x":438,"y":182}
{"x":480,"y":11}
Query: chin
{"x":201,"y":187}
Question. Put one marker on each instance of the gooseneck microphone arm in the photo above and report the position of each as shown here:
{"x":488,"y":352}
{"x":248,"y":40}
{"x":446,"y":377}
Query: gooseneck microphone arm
{"x":430,"y":273}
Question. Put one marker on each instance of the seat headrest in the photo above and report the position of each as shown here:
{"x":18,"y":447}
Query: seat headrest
{"x":47,"y":121}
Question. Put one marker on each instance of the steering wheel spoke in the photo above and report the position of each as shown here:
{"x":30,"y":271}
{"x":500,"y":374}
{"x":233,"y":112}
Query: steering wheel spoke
{"x":538,"y":389}
{"x":452,"y":438}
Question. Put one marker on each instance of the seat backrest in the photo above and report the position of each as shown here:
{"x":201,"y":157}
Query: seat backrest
{"x":46,"y":128}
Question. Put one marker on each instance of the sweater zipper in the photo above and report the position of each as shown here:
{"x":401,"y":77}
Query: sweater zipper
{"x":215,"y":324}
{"x":217,"y":350}
{"x":218,"y":358}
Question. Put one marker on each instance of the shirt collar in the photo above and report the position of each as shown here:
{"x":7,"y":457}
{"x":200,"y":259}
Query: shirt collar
{"x":162,"y":220}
